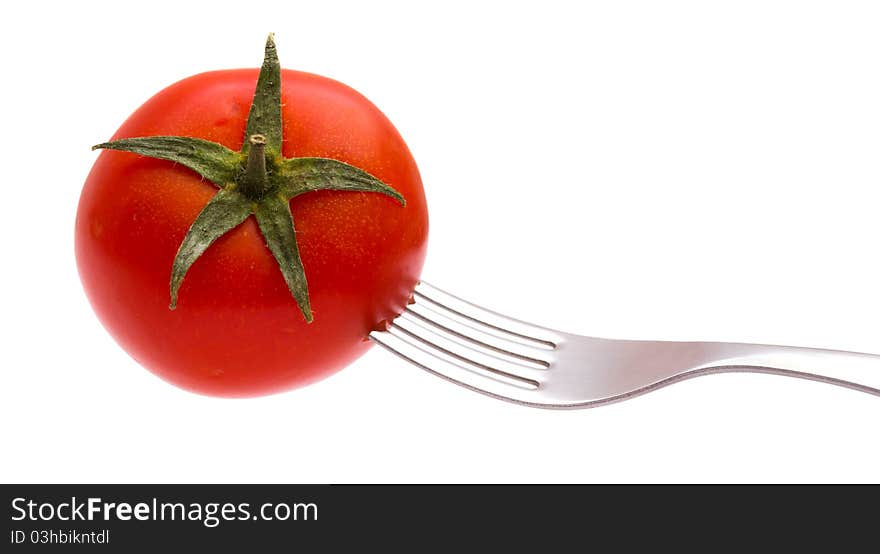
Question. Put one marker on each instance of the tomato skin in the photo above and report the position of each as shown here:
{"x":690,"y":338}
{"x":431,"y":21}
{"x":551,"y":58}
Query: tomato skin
{"x":236,"y":330}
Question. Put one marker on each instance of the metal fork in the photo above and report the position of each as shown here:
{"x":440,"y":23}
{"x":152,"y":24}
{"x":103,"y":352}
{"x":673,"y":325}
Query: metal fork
{"x":527,"y":364}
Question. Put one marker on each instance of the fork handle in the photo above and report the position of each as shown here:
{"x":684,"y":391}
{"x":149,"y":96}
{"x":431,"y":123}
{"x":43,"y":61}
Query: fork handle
{"x":849,"y":369}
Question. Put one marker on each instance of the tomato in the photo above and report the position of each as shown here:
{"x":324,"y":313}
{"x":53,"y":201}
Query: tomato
{"x":236,"y":330}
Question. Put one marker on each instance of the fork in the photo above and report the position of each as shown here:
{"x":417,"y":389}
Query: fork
{"x":535,"y":366}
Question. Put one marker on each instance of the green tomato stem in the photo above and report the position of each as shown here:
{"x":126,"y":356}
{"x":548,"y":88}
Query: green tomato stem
{"x":255,"y":181}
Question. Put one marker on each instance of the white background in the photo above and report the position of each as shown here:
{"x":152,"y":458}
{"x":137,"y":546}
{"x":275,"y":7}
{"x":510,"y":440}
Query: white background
{"x":668,"y":170}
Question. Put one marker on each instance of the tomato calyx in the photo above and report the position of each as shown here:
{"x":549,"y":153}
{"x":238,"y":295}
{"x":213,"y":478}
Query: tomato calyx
{"x":256,"y":181}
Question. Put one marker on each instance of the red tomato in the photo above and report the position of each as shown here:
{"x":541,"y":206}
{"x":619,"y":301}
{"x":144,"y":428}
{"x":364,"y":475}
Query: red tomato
{"x":236,"y":330}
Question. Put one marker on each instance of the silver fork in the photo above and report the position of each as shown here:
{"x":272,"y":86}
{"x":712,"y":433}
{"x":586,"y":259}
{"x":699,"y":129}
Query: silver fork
{"x":523,"y":363}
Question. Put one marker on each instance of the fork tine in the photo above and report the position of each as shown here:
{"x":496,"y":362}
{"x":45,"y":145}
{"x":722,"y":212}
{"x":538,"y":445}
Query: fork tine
{"x":468,"y":352}
{"x":486,"y":321}
{"x":492,"y":345}
{"x":496,"y":384}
